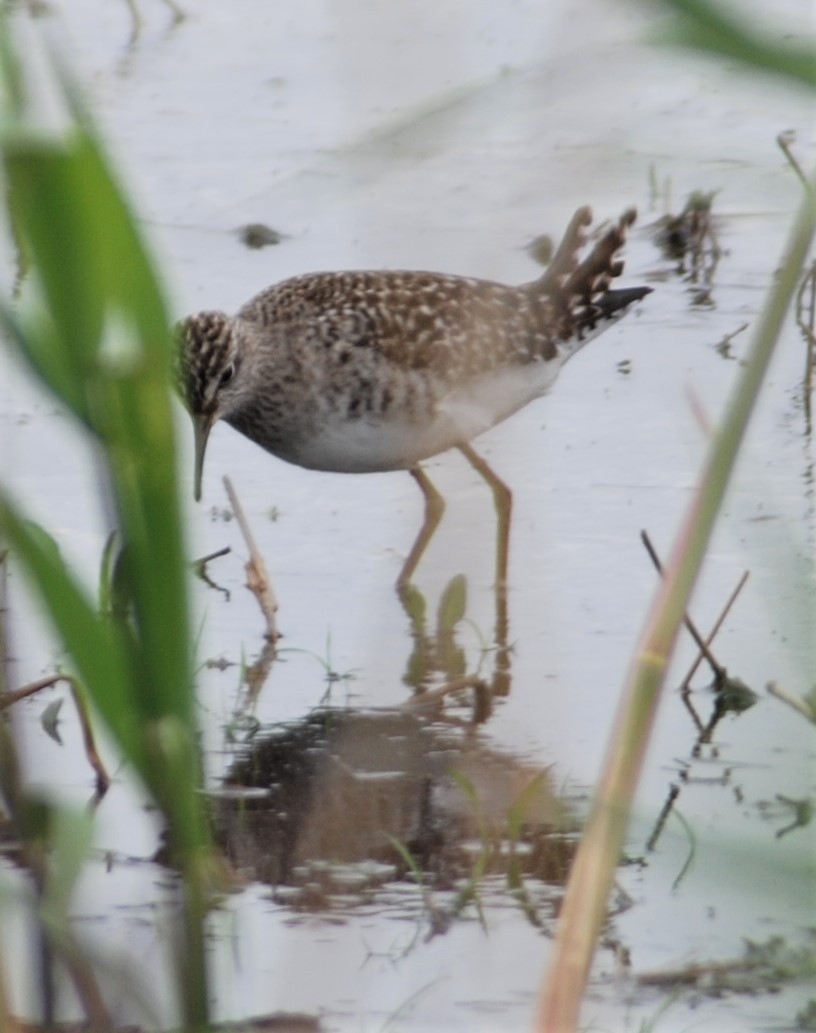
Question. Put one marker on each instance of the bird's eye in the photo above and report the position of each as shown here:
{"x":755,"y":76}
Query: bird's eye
{"x":227,"y":375}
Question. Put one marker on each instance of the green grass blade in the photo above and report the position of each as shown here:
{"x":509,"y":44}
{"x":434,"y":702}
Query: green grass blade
{"x":110,"y":360}
{"x":96,"y":647}
{"x":592,"y":873}
{"x":99,"y":340}
{"x":705,"y":26}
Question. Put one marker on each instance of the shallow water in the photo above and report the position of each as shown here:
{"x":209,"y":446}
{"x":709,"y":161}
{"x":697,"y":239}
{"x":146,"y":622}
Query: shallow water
{"x":447,"y":139}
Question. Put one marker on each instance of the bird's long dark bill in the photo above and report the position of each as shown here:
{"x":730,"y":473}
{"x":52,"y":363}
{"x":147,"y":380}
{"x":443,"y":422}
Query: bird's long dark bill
{"x":201,"y":428}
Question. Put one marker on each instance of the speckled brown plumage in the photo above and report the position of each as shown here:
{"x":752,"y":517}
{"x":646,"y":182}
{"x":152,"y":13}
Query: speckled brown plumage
{"x":365,"y":371}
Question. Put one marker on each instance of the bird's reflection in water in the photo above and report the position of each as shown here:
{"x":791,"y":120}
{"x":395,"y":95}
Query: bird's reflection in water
{"x":438,"y":659}
{"x":338,"y":805}
{"x":439,"y":653}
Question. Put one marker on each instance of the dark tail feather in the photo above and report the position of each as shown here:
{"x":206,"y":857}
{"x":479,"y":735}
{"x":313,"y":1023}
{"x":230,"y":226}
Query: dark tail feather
{"x":603,"y":264}
{"x":580,"y":291}
{"x":612,"y":302}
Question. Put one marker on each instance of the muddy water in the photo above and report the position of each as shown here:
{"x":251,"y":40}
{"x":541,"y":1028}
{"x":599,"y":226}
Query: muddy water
{"x":448,"y":138}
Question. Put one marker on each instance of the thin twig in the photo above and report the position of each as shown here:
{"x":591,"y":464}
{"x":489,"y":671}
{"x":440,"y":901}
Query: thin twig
{"x":685,"y":697}
{"x":715,"y":630}
{"x":693,"y":973}
{"x":200,"y":568}
{"x":806,"y":321}
{"x":257,"y":578}
{"x":102,"y":777}
{"x":699,"y":412}
{"x":78,"y":968}
{"x":85,"y":984}
{"x":256,"y":675}
{"x":212,"y":556}
{"x":651,"y":842}
{"x":8,"y":698}
{"x":784,"y":140}
{"x":8,"y":1023}
{"x":799,"y":705}
{"x":724,"y":346}
{"x":702,"y":645}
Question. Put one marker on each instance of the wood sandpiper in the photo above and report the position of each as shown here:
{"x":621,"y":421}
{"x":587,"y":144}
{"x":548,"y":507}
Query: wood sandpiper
{"x":359,"y":372}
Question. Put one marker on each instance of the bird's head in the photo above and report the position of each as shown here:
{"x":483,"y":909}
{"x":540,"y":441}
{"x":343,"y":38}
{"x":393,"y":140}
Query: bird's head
{"x":207,"y":374}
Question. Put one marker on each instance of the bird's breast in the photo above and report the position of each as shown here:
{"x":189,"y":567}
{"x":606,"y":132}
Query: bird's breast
{"x":370,"y":429}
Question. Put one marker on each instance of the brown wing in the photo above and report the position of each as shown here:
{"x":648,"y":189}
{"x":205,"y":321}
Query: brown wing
{"x":454,"y":326}
{"x":450,"y":325}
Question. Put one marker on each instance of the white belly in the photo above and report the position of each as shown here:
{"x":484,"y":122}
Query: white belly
{"x":396,"y":441}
